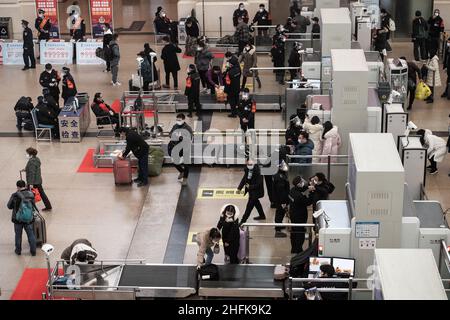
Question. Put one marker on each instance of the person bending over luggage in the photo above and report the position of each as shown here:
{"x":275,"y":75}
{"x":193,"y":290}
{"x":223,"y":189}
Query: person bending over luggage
{"x":79,"y":251}
{"x":298,"y":211}
{"x":34,"y":177}
{"x":181,"y":131}
{"x":102,"y":110}
{"x":229,"y":225}
{"x":23,"y":109}
{"x":246,"y":111}
{"x":253,"y":183}
{"x":22,"y":205}
{"x":215,"y":79}
{"x":140,"y":149}
{"x":208,"y":244}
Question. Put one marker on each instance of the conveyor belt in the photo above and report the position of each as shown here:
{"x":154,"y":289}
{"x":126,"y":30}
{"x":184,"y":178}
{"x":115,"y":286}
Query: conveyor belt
{"x":250,"y":281}
{"x":158,"y":276}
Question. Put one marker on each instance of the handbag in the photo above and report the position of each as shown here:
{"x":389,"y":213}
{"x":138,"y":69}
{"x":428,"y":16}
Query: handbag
{"x":422,"y":91}
{"x":37,"y":194}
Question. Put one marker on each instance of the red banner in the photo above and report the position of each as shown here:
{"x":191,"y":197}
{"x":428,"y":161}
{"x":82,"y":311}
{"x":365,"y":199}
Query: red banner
{"x":51,"y":12}
{"x":101,"y":13}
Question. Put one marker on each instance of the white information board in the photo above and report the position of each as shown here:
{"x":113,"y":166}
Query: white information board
{"x":367,"y":229}
{"x":12,"y":53}
{"x":56,"y":52}
{"x":86,"y":53}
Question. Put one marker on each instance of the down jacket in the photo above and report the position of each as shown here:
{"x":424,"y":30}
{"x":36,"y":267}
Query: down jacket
{"x":433,"y":65}
{"x":315,"y":134}
{"x":249,"y":58}
{"x":436,"y":146}
{"x":330,"y":144}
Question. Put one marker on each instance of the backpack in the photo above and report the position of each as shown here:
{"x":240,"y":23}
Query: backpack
{"x":25,"y":212}
{"x":108,"y":53}
{"x":392,"y":26}
{"x":422,"y":33}
{"x":331,"y":187}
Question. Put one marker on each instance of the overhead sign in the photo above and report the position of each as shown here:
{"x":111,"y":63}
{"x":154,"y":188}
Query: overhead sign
{"x":86,"y":53}
{"x":51,"y":12}
{"x":101,"y":13}
{"x":220,"y":193}
{"x":56,"y":52}
{"x":12,"y":53}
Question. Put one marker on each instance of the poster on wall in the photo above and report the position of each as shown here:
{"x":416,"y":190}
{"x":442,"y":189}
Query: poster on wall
{"x":101,"y":13}
{"x":86,"y":52}
{"x":56,"y":52}
{"x":12,"y":53}
{"x":51,"y":12}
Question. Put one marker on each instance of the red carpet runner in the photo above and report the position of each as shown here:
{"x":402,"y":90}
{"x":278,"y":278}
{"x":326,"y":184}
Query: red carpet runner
{"x":31,"y":285}
{"x":87,"y":165}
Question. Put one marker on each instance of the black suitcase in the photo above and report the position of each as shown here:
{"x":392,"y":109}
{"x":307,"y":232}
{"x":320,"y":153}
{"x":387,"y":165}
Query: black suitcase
{"x":384,"y":90}
{"x":209,"y":272}
{"x":40,"y":230}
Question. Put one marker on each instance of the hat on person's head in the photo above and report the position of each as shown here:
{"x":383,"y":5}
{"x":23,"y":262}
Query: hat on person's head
{"x":48,"y":66}
{"x":418,"y":13}
{"x":297,"y":180}
{"x":246,"y":90}
{"x":25,"y":22}
{"x":262,"y":5}
{"x":41,"y":11}
{"x":293,"y":117}
{"x":328,"y":269}
{"x":192,"y":67}
{"x":65,"y":69}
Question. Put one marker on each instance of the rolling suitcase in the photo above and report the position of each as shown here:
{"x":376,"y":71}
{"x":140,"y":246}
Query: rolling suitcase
{"x":242,"y":245}
{"x":122,"y":171}
{"x":39,"y":228}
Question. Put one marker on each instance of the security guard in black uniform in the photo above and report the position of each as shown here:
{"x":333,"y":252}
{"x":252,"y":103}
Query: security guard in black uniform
{"x":246,"y":111}
{"x":28,"y":47}
{"x":42,"y":25}
{"x":50,"y":79}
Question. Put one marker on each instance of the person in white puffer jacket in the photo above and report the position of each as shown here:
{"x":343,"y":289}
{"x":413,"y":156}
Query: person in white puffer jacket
{"x":331,"y":141}
{"x":436,"y":148}
{"x":315,"y":130}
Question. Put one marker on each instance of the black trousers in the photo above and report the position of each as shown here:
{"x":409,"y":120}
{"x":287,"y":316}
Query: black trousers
{"x":420,"y":50}
{"x":252,"y":203}
{"x":269,"y":186}
{"x":294,"y":74}
{"x":194,"y":102}
{"x":433,"y":163}
{"x":248,"y":125}
{"x":28,"y":58}
{"x":279,"y":216}
{"x":446,"y":93}
{"x":242,"y":45}
{"x":174,"y":76}
{"x":203,"y":78}
{"x":433,"y":47}
{"x":232,"y":251}
{"x":183,"y":168}
{"x":412,"y":95}
{"x":145,"y":85}
{"x":233,"y":100}
{"x":108,"y":65}
{"x":297,"y":239}
{"x":43,"y":196}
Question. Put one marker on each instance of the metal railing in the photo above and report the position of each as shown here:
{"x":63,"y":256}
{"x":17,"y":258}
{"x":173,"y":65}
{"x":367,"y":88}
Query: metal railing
{"x":328,"y":164}
{"x":444,"y":255}
{"x":308,"y":226}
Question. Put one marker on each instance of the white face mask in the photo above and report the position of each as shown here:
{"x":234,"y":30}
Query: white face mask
{"x":76,"y":15}
{"x":261,"y":9}
{"x":250,"y":166}
{"x":27,"y":155}
{"x":245,"y":96}
{"x":163,"y":14}
{"x":448,"y":44}
{"x":41,"y":15}
{"x":180,"y":122}
{"x":140,"y":60}
{"x":227,"y":65}
{"x":241,"y":8}
{"x":436,"y":14}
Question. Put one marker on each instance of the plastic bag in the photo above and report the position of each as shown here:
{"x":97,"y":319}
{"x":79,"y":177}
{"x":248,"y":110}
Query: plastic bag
{"x":37,"y":195}
{"x":422,"y":91}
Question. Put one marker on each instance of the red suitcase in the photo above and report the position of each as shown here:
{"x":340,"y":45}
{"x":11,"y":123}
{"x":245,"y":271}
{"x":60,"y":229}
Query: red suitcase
{"x":122,"y":171}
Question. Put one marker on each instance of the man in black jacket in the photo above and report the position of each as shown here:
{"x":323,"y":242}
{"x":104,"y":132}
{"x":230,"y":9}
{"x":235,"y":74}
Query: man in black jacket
{"x":50,"y":79}
{"x":246,"y":111}
{"x":192,"y":90}
{"x":140,"y":148}
{"x":50,"y":101}
{"x":436,"y":27}
{"x":107,"y":37}
{"x":103,"y":112}
{"x":45,"y":114}
{"x":171,"y":64}
{"x":240,"y":12}
{"x":28,"y":47}
{"x":23,"y":109}
{"x":319,"y":189}
{"x":14,"y":204}
{"x":280,"y":192}
{"x":232,"y":78}
{"x":298,"y":212}
{"x":277,"y":53}
{"x":181,"y":131}
{"x":253,"y":183}
{"x":446,"y":66}
{"x":69,"y":89}
{"x":419,"y":37}
{"x":295,"y":60}
{"x":262,"y":18}
{"x":413,"y":74}
{"x":42,"y":25}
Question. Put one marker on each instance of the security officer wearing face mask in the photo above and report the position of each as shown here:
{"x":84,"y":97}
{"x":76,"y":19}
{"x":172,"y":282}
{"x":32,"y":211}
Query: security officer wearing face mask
{"x":246,"y":111}
{"x":293,"y":132}
{"x":298,"y":212}
{"x":69,"y":89}
{"x":232,"y":77}
{"x":262,"y":18}
{"x":180,"y":131}
{"x":192,"y":90}
{"x":277,"y":53}
{"x":295,"y":60}
{"x":78,"y":29}
{"x":436,"y":27}
{"x":446,"y":66}
{"x":28,"y":47}
{"x":42,"y":25}
{"x":280,"y":185}
{"x":253,"y":183}
{"x":50,"y":79}
{"x":240,"y":12}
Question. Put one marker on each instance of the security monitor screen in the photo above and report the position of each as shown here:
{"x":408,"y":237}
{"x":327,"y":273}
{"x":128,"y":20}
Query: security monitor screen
{"x":344,"y":266}
{"x":316,"y":262}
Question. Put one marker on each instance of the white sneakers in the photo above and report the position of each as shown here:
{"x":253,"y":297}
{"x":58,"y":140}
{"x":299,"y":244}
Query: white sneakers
{"x":116,"y":83}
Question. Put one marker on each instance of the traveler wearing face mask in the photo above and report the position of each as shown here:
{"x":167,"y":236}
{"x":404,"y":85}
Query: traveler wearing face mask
{"x":115,"y":59}
{"x":293,"y":132}
{"x":203,"y":58}
{"x":246,"y":111}
{"x":295,"y":60}
{"x":277,"y":53}
{"x":298,"y":213}
{"x":164,"y":25}
{"x":103,"y":111}
{"x":304,"y":147}
{"x":50,"y":79}
{"x":315,"y":28}
{"x":107,"y":37}
{"x":436,"y":148}
{"x":262,"y":18}
{"x":232,"y":76}
{"x":69,"y":89}
{"x":145,"y":70}
{"x":215,"y":79}
{"x":192,"y":91}
{"x":242,"y":34}
{"x":446,"y":67}
{"x":301,"y":23}
{"x":28,"y":47}
{"x":171,"y":64}
{"x":419,"y":37}
{"x":436,"y":27}
{"x":253,"y":184}
{"x":249,"y":58}
{"x":229,"y":225}
{"x":193,"y":32}
{"x":290,"y":26}
{"x":319,"y":189}
{"x":207,"y":240}
{"x":180,"y":131}
{"x":240,"y":12}
{"x":78,"y":29}
{"x":42,"y":25}
{"x":280,"y":185}
{"x":33,"y":175}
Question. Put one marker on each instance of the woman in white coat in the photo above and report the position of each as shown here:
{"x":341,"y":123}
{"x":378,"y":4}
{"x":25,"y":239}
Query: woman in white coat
{"x":331,"y":141}
{"x":433,"y":77}
{"x":436,"y":148}
{"x":315,"y":130}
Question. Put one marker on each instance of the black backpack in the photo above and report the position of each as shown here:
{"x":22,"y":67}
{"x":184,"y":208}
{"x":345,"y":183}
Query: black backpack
{"x":108,"y":53}
{"x":331,"y":187}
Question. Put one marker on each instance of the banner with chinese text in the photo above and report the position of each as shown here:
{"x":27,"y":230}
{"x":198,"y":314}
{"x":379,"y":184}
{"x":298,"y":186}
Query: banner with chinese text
{"x":51,"y":12}
{"x":101,"y":13}
{"x":86,"y":53}
{"x":12,"y":53}
{"x":56,"y":52}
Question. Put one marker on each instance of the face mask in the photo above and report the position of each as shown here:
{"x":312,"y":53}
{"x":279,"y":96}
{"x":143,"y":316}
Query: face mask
{"x":139,"y":59}
{"x":163,"y":15}
{"x":76,"y":15}
{"x":301,"y":185}
{"x":284,"y":167}
{"x":241,"y":8}
{"x":188,"y":70}
{"x":247,"y":48}
{"x":245,"y":96}
{"x":199,"y":49}
{"x":298,"y":123}
{"x":23,"y":26}
{"x":41,"y":15}
{"x":283,"y":39}
{"x":180,"y":122}
{"x":261,"y":9}
{"x":436,"y":14}
{"x":27,"y":155}
{"x":448,"y":44}
{"x":250,"y":166}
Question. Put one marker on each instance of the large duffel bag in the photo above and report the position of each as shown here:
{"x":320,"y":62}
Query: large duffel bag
{"x":209,"y":272}
{"x":155,"y":161}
